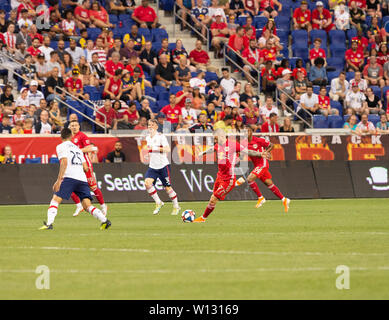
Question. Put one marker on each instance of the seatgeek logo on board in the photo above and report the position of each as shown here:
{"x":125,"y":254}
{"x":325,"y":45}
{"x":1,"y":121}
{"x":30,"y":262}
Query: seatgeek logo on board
{"x":195,"y":180}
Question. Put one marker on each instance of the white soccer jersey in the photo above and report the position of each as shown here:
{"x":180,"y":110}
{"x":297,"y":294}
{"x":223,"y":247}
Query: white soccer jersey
{"x":157,"y":160}
{"x":75,"y":158}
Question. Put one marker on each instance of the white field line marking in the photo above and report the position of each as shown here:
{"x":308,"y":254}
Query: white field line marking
{"x":145,"y":271}
{"x":237,"y":252}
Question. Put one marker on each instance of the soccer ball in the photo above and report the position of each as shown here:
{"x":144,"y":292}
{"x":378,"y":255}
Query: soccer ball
{"x":188,"y":216}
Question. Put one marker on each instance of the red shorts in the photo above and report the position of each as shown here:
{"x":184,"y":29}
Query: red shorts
{"x":222,"y":187}
{"x":262,"y":173}
{"x":327,"y":29}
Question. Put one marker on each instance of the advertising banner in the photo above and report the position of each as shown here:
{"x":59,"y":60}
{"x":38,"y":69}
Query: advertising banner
{"x":186,"y":148}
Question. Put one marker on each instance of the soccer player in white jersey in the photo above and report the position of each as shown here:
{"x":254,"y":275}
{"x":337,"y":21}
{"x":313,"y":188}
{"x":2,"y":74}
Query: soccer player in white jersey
{"x":72,"y":178}
{"x":159,"y":167}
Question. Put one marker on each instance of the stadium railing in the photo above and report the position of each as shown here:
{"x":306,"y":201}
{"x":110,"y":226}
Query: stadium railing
{"x":92,"y":107}
{"x":175,"y":15}
{"x":228,"y":58}
{"x":296,"y":115}
{"x":20,"y":66}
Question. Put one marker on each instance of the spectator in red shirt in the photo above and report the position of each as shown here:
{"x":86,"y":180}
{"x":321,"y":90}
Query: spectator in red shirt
{"x":33,"y":50}
{"x":173,"y":112}
{"x":302,"y":17}
{"x":266,"y":7}
{"x":270,"y":52}
{"x":110,"y":113}
{"x":271,"y":125}
{"x":145,"y":16}
{"x":220,"y":34}
{"x":249,"y":23}
{"x":268,"y":76}
{"x":200,"y":59}
{"x":252,"y":56}
{"x":383,"y":54}
{"x":299,"y":67}
{"x":112,"y":65}
{"x":354,"y":57}
{"x":271,"y":26}
{"x":321,"y":18}
{"x":317,"y":52}
{"x":363,"y":42}
{"x":324,"y":103}
{"x":75,"y":87}
{"x":99,"y":16}
{"x":113,"y":88}
{"x":236,"y":45}
{"x":81,"y":13}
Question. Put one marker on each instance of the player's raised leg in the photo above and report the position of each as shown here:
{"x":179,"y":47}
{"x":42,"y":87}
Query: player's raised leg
{"x":208,"y":210}
{"x":51,"y":213}
{"x":150,"y":188}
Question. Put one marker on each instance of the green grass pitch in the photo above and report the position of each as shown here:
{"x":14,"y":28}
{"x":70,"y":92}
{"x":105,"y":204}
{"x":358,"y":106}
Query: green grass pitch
{"x":239,"y":253}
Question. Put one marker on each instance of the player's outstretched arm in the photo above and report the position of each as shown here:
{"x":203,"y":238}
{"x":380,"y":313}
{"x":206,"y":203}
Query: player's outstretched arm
{"x":209,"y":150}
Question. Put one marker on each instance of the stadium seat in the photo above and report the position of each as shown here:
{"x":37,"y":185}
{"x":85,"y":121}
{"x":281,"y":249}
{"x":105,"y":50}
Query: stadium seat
{"x":145,"y":32}
{"x":337,"y":37}
{"x":113,"y":18}
{"x":159,"y":89}
{"x":337,"y":51}
{"x":175,"y":89}
{"x":93,"y":92}
{"x":210,"y":76}
{"x":162,"y":103}
{"x":321,"y":34}
{"x":159,"y":34}
{"x":34,"y":160}
{"x":282,"y":22}
{"x":241,"y":20}
{"x":93,"y":33}
{"x":259,"y":22}
{"x":316,"y":89}
{"x":351,"y":33}
{"x":301,"y":53}
{"x":350,"y":75}
{"x":336,"y":62}
{"x":300,"y":38}
{"x":374,"y":118}
{"x":376,"y":91}
{"x":335,"y":122}
{"x":320,"y":122}
{"x":332,"y":75}
{"x":283,"y":35}
{"x":337,"y":105}
{"x":77,"y":106}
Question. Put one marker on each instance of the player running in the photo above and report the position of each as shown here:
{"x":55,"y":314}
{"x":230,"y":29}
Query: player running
{"x":72,"y":178}
{"x":261,"y":169}
{"x":81,"y":140}
{"x":159,"y":167}
{"x":227,"y":151}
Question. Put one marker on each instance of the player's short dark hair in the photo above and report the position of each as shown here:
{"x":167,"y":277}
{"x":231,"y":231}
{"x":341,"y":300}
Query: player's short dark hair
{"x":225,"y":69}
{"x":66,"y":133}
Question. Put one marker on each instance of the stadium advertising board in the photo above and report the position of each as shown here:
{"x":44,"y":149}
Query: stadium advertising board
{"x":32,"y":183}
{"x":186,"y":147}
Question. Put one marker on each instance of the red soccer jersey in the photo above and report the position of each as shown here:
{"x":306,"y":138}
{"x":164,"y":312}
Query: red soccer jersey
{"x":111,"y":115}
{"x":172,"y":114}
{"x":259,"y":145}
{"x":363,"y":43}
{"x":146,"y":14}
{"x":360,"y":3}
{"x":81,"y":140}
{"x":34,"y":52}
{"x":269,"y":54}
{"x":219,"y":26}
{"x":114,"y":86}
{"x":74,"y":85}
{"x":263,"y":4}
{"x":270,"y":74}
{"x":324,"y":102}
{"x":129,"y":68}
{"x":111,"y":67}
{"x":313,"y":53}
{"x":302,"y":17}
{"x":266,"y":127}
{"x":199,"y":56}
{"x":252,"y":56}
{"x":81,"y":12}
{"x":356,"y":57}
{"x":227,"y":157}
{"x":382,"y":59}
{"x":295,"y":70}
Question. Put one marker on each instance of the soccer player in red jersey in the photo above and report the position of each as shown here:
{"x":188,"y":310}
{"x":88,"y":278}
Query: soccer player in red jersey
{"x":261,"y":163}
{"x":81,"y":140}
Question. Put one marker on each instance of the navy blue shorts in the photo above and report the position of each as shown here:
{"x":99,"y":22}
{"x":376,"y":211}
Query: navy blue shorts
{"x":69,"y":185}
{"x":162,"y":174}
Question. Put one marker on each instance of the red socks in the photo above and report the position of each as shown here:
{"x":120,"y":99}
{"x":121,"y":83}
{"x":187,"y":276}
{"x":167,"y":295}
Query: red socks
{"x":75,"y":198}
{"x":208,"y":210}
{"x":276,"y":191}
{"x":253,"y":185}
{"x":99,"y":195}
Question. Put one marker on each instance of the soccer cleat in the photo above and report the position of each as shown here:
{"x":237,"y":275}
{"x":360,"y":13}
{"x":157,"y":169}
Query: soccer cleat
{"x":175,"y":211}
{"x":105,"y":225}
{"x":200,"y":219}
{"x":286,"y":202}
{"x":261,"y":201}
{"x":78,"y":211}
{"x":158,"y":207}
{"x":46,"y":227}
{"x":240,"y":181}
{"x":104,"y":209}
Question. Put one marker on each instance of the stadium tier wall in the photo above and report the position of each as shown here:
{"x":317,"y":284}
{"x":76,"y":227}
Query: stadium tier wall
{"x":124,"y":182}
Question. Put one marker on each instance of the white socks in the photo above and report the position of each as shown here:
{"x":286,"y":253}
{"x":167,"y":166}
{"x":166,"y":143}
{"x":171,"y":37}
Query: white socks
{"x":97,"y":214}
{"x":52,"y":212}
{"x":153,"y":193}
{"x":173,"y":196}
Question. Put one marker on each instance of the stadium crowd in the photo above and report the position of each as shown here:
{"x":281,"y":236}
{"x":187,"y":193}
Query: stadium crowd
{"x":326,"y":60}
